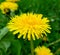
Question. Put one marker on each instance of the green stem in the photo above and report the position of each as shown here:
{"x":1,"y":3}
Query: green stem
{"x":54,"y":42}
{"x":32,"y":47}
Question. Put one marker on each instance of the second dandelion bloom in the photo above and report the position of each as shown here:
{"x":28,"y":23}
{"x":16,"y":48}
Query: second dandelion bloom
{"x":43,"y":51}
{"x":29,"y":25}
{"x":6,"y":6}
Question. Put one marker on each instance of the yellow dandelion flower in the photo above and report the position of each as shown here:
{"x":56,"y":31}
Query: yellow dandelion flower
{"x":29,"y":25}
{"x":43,"y":51}
{"x":5,"y":6}
{"x":12,"y":0}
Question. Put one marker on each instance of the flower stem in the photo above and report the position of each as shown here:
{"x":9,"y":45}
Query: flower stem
{"x":32,"y":47}
{"x":54,"y":42}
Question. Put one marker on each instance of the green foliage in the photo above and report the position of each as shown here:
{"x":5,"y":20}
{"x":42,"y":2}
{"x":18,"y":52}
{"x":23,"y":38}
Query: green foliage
{"x":10,"y":45}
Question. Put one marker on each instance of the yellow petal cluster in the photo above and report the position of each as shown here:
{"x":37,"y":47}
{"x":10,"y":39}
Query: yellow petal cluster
{"x":43,"y":51}
{"x":5,"y":6}
{"x":29,"y":25}
{"x":12,"y":0}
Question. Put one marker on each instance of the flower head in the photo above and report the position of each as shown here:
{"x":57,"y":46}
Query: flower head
{"x":6,"y":6}
{"x":29,"y":25}
{"x":12,"y":0}
{"x":43,"y":51}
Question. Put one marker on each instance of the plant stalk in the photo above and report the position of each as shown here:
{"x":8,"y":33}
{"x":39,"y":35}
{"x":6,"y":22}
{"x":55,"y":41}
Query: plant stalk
{"x":32,"y":47}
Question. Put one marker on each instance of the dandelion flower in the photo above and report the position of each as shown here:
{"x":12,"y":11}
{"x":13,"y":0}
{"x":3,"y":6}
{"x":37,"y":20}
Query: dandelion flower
{"x":29,"y":25}
{"x":6,"y":6}
{"x":43,"y":51}
{"x":12,"y":0}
